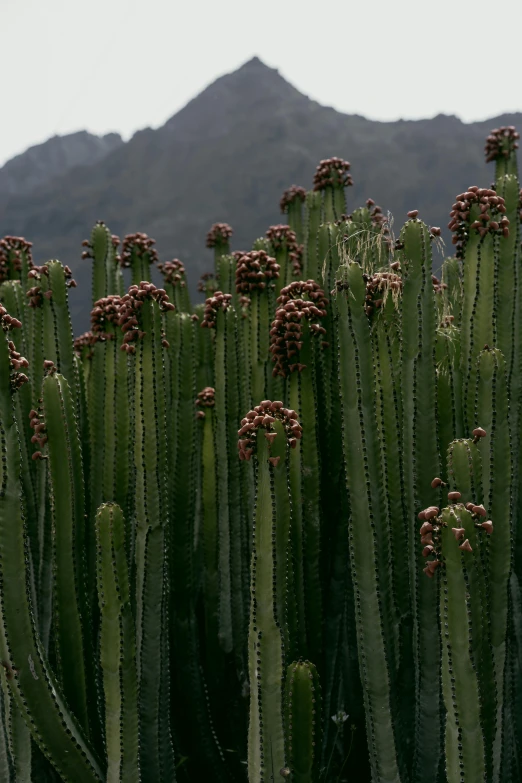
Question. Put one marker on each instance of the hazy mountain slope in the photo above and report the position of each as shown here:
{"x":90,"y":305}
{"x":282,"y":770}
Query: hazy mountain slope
{"x":228,"y":155}
{"x":40,"y":164}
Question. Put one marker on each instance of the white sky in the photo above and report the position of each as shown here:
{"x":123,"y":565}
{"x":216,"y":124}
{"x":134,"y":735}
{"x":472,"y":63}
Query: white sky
{"x":120,"y":65}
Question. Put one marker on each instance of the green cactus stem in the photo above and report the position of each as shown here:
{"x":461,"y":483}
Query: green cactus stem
{"x":106,"y":272}
{"x":464,"y":738}
{"x":117,"y":648}
{"x":296,"y":342}
{"x":312,"y":263}
{"x":176,"y":284}
{"x":501,"y":147}
{"x":15,"y":259}
{"x":268,"y":429}
{"x":142,"y":313}
{"x":256,"y":276}
{"x":368,"y":539}
{"x":331,"y":178}
{"x":287,"y":253}
{"x":303,"y":721}
{"x":492,"y":410}
{"x":138,"y":253}
{"x":291,"y":204}
{"x":37,"y":693}
{"x":420,"y":464}
{"x":218,"y":238}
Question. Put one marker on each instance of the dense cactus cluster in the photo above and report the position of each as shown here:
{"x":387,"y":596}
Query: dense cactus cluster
{"x":275,"y":535}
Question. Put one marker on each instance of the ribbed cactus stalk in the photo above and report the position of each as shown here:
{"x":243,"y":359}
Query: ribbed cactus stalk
{"x":138,"y":253}
{"x":369,"y":534}
{"x":331,"y":178}
{"x":221,"y":318}
{"x":71,"y":610}
{"x":269,"y":431}
{"x":34,"y":687}
{"x":15,"y":259}
{"x":421,"y":463}
{"x":303,"y":721}
{"x":288,"y":254}
{"x":291,"y":204}
{"x":117,"y":647}
{"x":454,"y":537}
{"x":142,"y":313}
{"x":256,"y":277}
{"x":106,"y":272}
{"x":296,"y":344}
{"x":218,"y":238}
{"x":176,"y":284}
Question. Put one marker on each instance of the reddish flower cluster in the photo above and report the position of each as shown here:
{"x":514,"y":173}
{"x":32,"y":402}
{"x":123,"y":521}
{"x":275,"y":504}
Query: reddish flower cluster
{"x":490,"y":220}
{"x":282,"y":237}
{"x":262,"y":418}
{"x":255,"y":271}
{"x":205,"y":399}
{"x":105,"y":311}
{"x":207,"y":283}
{"x":297,"y":302}
{"x":85,"y":340}
{"x":501,"y":142}
{"x":332,"y":172}
{"x":379,"y":286}
{"x":35,"y":294}
{"x":11,"y":249}
{"x":219,"y":301}
{"x":292,"y":194}
{"x":219,"y":234}
{"x":16,"y":360}
{"x":40,"y":433}
{"x":438,"y":285}
{"x":141,"y":245}
{"x":129,"y":312}
{"x":173,"y":272}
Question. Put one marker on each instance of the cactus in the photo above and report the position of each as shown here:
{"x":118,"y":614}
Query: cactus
{"x":303,"y":721}
{"x":155,"y":588}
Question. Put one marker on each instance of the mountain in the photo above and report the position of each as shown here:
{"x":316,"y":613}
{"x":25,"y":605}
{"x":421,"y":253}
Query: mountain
{"x":44,"y":162}
{"x":227,"y":156}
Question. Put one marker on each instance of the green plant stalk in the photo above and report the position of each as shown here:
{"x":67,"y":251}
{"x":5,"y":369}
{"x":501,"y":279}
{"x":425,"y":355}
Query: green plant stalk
{"x":464,"y":740}
{"x":258,"y":342}
{"x":63,"y":333}
{"x":364,"y":537}
{"x":452,"y":277}
{"x":104,"y":266}
{"x":233,"y":613}
{"x":117,"y":648}
{"x":420,"y":465}
{"x":334,"y":203}
{"x":266,"y":751}
{"x":303,"y":721}
{"x":508,"y":276}
{"x":295,"y":219}
{"x":226,"y":273}
{"x":210,"y":536}
{"x":152,"y":518}
{"x":492,"y":411}
{"x":449,"y":386}
{"x":465,"y":474}
{"x":34,"y":687}
{"x":204,"y":354}
{"x":308,"y":494}
{"x":311,"y":261}
{"x":71,"y":611}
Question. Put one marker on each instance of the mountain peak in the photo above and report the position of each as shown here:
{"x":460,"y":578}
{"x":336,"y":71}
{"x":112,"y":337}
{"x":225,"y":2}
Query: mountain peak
{"x":253,"y":87}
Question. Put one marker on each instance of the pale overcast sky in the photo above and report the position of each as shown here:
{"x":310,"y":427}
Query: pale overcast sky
{"x":121,"y":65}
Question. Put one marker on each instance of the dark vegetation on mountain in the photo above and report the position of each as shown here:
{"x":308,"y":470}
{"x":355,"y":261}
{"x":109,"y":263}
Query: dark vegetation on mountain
{"x":227,"y":156}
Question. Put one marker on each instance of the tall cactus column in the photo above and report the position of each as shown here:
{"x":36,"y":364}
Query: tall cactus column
{"x":421,"y":463}
{"x":141,"y":318}
{"x":268,"y":428}
{"x":291,"y":204}
{"x":256,"y":277}
{"x":369,"y":538}
{"x":296,"y":344}
{"x":331,"y":178}
{"x":34,"y":687}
